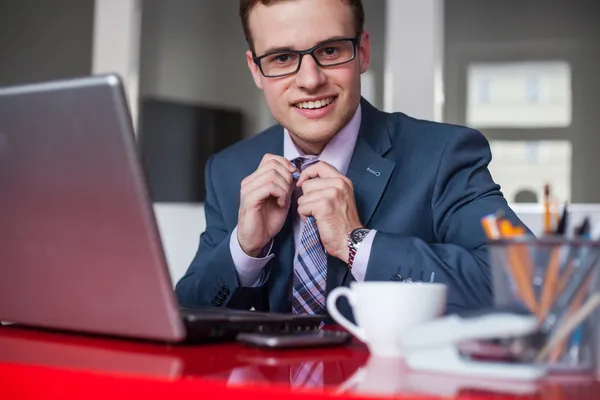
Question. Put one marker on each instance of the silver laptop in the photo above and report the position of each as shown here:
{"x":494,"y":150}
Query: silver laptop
{"x":79,"y":245}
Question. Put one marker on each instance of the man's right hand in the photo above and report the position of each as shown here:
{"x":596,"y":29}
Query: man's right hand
{"x":264,"y":203}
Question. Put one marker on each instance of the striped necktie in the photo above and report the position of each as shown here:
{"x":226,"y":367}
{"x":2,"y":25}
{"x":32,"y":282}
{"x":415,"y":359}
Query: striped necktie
{"x":308,"y":374}
{"x":310,"y":263}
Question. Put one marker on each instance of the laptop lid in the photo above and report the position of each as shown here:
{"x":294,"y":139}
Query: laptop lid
{"x":79,"y":245}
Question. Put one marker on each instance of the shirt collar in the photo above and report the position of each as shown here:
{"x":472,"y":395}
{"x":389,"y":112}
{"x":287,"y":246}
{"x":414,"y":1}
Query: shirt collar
{"x":337,"y":152}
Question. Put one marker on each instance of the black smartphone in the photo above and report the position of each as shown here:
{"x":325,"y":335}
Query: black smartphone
{"x":316,"y":338}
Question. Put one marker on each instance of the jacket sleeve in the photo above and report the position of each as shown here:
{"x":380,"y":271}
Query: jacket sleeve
{"x":211,"y":279}
{"x":463,"y":193}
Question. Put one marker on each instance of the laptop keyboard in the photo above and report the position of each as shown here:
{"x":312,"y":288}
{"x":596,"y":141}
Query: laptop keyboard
{"x":193,"y":312}
{"x":215,"y":323}
{"x":213,"y":311}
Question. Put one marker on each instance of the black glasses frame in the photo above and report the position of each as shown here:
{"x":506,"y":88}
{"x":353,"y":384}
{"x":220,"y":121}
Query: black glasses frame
{"x":355,"y":41}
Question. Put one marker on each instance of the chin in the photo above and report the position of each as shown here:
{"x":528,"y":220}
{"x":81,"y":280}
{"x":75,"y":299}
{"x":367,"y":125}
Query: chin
{"x":315,"y":135}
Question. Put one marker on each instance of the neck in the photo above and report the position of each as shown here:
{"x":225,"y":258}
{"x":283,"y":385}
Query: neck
{"x":309,"y":149}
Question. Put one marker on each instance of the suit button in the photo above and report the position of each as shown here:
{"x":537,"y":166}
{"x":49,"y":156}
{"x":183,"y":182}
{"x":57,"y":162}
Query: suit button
{"x":225,"y":290}
{"x":217,"y":302}
{"x":221,"y":296}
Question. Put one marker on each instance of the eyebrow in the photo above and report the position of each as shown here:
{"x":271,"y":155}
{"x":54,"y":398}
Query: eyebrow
{"x":288,"y":48}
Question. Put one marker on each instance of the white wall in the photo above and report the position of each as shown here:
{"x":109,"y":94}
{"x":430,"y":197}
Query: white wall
{"x":180,"y":226}
{"x":414,"y":58}
{"x":116,"y":45}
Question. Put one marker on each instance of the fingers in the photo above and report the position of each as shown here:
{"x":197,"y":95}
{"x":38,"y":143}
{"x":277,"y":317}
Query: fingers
{"x":329,"y":197}
{"x":331,"y":186}
{"x":269,"y":170}
{"x":272,"y":163}
{"x":268,"y":158}
{"x":272,"y":178}
{"x":324,"y":183}
{"x":263,"y":192}
{"x":270,"y":182}
{"x":324,"y":208}
{"x":321,"y":170}
{"x":307,"y":209}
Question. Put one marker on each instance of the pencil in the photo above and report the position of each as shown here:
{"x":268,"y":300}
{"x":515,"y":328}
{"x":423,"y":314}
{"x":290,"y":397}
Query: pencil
{"x":551,"y":284}
{"x":547,"y":214}
{"x":490,"y":227}
{"x":518,"y":266}
{"x":558,"y":351}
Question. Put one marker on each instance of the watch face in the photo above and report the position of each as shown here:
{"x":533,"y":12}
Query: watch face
{"x":358,"y":235}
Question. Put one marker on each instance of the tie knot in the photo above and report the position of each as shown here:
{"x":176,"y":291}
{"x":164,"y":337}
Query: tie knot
{"x":304,"y":162}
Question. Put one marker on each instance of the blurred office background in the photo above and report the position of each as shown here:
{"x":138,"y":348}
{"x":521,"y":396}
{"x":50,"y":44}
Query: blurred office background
{"x":523,"y":72}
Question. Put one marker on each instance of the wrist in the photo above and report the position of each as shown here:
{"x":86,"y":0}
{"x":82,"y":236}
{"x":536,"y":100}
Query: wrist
{"x":344,"y":249}
{"x":345,"y":254}
{"x":354,"y":240}
{"x":250,"y":250}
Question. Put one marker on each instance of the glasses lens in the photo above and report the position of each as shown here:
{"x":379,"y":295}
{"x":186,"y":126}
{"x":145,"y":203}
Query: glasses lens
{"x":279,"y":64}
{"x":335,"y":53}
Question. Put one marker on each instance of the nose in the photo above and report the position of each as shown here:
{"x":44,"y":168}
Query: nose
{"x":310,"y":76}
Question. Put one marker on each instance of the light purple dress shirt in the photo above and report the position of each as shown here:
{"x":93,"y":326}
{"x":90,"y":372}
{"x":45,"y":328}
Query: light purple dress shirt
{"x":338,"y":153}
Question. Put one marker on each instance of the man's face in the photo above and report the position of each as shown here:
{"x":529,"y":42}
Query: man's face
{"x":300,"y":25}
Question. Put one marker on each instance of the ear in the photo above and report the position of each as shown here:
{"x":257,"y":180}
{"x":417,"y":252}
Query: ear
{"x":256,"y":75}
{"x":364,"y":52}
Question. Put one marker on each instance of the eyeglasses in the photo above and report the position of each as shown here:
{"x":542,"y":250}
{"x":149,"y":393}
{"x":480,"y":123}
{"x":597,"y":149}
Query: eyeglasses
{"x":327,"y":54}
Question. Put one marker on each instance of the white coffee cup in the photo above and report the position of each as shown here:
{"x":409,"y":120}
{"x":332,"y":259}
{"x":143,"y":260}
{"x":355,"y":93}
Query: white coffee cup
{"x":384,"y":310}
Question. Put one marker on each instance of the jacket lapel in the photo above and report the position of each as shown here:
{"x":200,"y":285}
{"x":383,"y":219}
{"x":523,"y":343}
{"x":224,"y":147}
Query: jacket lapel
{"x":369,"y":173}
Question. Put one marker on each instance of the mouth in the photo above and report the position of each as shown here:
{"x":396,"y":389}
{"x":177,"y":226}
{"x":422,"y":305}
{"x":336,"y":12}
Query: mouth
{"x":315,"y":104}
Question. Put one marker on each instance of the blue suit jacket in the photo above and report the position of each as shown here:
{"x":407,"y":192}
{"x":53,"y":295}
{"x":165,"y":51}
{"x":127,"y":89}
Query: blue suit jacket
{"x":426,"y":202}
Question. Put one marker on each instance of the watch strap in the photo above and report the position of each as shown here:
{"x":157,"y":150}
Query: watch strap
{"x":351,"y":255}
{"x":353,"y":244}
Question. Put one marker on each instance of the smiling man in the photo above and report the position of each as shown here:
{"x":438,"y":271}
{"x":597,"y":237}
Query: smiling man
{"x":337,"y":191}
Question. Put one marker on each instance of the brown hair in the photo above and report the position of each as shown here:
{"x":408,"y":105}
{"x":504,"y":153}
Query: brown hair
{"x":247,"y":5}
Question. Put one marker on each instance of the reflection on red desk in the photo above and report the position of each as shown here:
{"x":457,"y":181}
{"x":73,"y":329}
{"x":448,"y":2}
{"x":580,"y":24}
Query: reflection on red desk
{"x":48,"y":365}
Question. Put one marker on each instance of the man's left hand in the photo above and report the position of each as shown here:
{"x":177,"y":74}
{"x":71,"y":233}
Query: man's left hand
{"x":330,"y":200}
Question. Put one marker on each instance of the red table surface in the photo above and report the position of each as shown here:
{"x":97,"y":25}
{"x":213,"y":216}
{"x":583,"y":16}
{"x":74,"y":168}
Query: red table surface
{"x":39,"y":364}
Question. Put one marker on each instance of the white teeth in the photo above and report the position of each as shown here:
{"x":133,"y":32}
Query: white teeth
{"x":314,"y":104}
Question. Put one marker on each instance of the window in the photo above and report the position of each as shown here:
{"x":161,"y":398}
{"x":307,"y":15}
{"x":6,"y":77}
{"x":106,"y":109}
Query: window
{"x":534,"y":94}
{"x":522,"y":168}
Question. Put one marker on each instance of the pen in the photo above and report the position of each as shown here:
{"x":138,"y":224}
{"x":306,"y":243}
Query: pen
{"x":562,"y":222}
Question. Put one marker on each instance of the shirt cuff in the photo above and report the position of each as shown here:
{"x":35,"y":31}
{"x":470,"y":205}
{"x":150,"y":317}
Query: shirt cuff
{"x":249,"y":269}
{"x":361,"y":258}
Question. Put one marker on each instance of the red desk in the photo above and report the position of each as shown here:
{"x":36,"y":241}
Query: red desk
{"x":37,"y":364}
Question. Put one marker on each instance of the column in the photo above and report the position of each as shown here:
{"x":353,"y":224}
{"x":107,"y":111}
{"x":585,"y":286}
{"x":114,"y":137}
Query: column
{"x":116,"y":45}
{"x":414,"y":50}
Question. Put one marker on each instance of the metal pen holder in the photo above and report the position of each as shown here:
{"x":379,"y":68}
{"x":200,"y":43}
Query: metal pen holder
{"x":557,"y":281}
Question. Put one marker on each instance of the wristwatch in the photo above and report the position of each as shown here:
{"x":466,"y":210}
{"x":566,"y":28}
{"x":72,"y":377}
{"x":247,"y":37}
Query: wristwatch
{"x":355,"y":238}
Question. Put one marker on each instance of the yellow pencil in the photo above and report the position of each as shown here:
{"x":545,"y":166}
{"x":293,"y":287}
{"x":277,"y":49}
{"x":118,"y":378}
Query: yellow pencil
{"x":547,"y":213}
